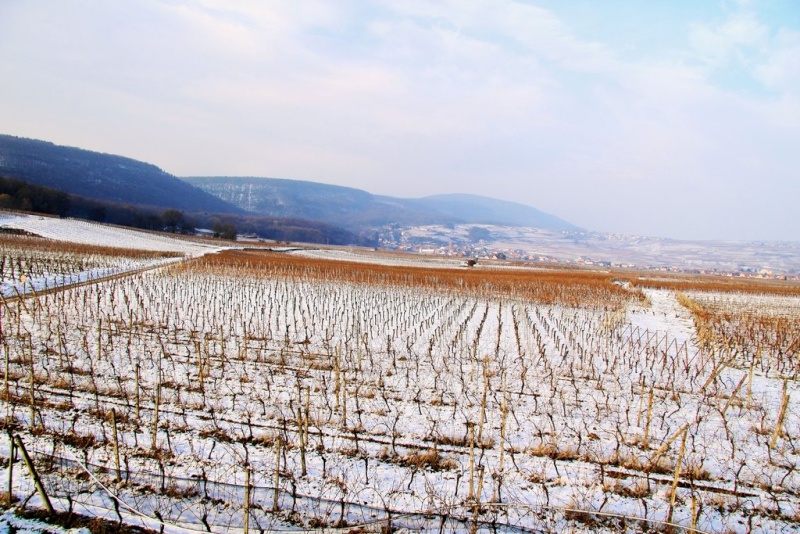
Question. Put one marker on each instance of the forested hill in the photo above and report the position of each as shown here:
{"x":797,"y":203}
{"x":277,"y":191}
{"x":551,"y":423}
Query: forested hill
{"x":102,"y":176}
{"x":268,"y":207}
{"x":46,"y":178}
{"x":356,"y":209}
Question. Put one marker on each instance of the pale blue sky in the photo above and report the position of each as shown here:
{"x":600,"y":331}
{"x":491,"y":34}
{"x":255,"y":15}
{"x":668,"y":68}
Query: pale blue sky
{"x":667,"y":118}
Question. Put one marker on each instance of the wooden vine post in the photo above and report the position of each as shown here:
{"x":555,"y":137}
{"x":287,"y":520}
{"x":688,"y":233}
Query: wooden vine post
{"x":156,"y":402}
{"x":6,"y":387}
{"x":277,"y":482}
{"x":136,"y":393}
{"x":676,"y":477}
{"x":115,"y":437}
{"x":750,"y":380}
{"x":471,"y":427}
{"x":11,"y":455}
{"x":781,"y":416}
{"x":645,"y":440}
{"x":343,"y":388}
{"x":501,"y":466}
{"x":34,"y":475}
{"x":661,"y":450}
{"x":483,"y":398}
{"x":32,"y":388}
{"x":247,"y":500}
{"x":337,"y":379}
{"x":641,"y":405}
{"x":733,"y":395}
{"x":476,"y":508}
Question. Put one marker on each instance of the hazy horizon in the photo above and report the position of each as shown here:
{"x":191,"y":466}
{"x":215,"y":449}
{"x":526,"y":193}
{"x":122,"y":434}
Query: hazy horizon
{"x":671,"y":119}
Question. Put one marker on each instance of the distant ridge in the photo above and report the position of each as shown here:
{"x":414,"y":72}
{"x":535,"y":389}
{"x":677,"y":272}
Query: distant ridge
{"x":484,"y":210}
{"x":102,"y":176}
{"x":280,"y":208}
{"x":48,"y":178}
{"x":356,"y":209}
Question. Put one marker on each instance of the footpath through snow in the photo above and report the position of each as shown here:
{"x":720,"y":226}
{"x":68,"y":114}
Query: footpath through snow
{"x":665,"y":315}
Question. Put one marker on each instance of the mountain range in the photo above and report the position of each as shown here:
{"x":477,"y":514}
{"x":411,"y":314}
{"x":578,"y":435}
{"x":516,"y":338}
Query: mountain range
{"x":358,"y":210}
{"x":41,"y":176}
{"x":122,"y":180}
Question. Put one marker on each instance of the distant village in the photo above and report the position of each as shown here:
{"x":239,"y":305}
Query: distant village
{"x":485,"y":251}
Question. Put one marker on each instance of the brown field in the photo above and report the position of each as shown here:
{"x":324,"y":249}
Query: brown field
{"x":743,"y":330}
{"x":570,"y":287}
{"x":690,"y":282}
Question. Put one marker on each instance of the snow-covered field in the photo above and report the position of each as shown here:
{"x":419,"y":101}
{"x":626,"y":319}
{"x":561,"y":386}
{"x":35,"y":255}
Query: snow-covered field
{"x":11,"y":522}
{"x":404,"y":260}
{"x":89,"y":233}
{"x":26,"y":265}
{"x":335,"y":402}
{"x":391,"y":259}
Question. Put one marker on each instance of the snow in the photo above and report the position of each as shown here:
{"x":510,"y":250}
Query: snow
{"x":404,"y":260}
{"x":49,"y":275}
{"x":664,"y":314}
{"x":85,"y":232}
{"x":10,"y":522}
{"x":382,"y":374}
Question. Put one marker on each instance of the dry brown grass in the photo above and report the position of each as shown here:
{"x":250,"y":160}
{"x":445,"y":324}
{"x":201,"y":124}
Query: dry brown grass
{"x":554,"y":451}
{"x":174,"y":491}
{"x":694,"y":282}
{"x":628,"y":461}
{"x":638,"y":489}
{"x":746,"y":329}
{"x":428,"y":459}
{"x":695,"y":471}
{"x":79,"y":441}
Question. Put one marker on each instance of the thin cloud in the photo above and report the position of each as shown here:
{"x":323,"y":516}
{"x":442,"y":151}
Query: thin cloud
{"x":676,"y":137}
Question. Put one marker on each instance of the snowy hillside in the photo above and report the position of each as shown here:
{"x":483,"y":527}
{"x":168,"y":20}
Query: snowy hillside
{"x":82,"y":251}
{"x":77,"y":231}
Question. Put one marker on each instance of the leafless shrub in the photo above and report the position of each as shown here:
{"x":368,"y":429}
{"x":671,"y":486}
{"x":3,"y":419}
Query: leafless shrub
{"x":554,"y":451}
{"x":428,"y":459}
{"x":638,"y":489}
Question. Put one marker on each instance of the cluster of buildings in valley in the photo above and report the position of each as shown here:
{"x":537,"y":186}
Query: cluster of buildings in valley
{"x":489,"y":251}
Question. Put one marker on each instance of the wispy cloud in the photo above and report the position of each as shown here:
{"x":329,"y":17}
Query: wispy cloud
{"x":677,"y":135}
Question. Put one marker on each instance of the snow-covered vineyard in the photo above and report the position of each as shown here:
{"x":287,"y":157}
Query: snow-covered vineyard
{"x":214,"y":396}
{"x":75,"y":251}
{"x":90,"y":233}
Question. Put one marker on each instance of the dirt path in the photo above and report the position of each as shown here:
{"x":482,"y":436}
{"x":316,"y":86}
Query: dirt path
{"x":665,"y":314}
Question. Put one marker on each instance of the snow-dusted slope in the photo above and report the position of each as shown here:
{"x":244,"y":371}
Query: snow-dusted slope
{"x":37,"y":270}
{"x":89,"y":233}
